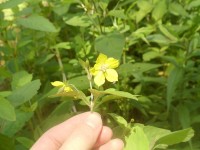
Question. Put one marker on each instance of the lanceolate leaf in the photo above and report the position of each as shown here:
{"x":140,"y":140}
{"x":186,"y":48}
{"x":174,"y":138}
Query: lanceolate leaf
{"x":120,"y":120}
{"x":177,"y":137}
{"x":137,"y":140}
{"x":24,"y":93}
{"x":76,"y":94}
{"x":114,"y":92}
{"x":111,"y":44}
{"x":173,"y":80}
{"x":7,"y":111}
{"x":37,"y":22}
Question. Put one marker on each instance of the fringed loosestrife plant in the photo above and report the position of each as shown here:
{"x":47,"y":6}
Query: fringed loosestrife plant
{"x":103,"y":69}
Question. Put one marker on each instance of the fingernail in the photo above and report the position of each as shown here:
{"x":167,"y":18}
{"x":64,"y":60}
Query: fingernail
{"x":94,"y":120}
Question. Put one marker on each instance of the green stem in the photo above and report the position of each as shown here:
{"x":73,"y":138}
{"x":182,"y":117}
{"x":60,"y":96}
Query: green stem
{"x":91,"y":95}
{"x":98,"y":18}
{"x":57,"y":53}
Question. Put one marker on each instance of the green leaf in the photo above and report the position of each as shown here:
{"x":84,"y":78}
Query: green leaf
{"x":5,"y":93}
{"x":167,"y":33}
{"x":150,"y":55}
{"x":79,"y":20}
{"x":24,"y":93}
{"x":177,"y":137}
{"x":37,"y":22}
{"x":80,"y":79}
{"x":129,"y":69}
{"x":120,"y":93}
{"x":62,"y":45}
{"x":114,"y":92}
{"x":173,"y":81}
{"x":153,"y":134}
{"x":193,"y":3}
{"x":21,"y":78}
{"x":75,"y":94}
{"x":159,"y":10}
{"x":11,"y":4}
{"x":58,"y":115}
{"x":44,"y":58}
{"x":184,"y":116}
{"x":159,"y":38}
{"x":7,"y":111}
{"x":117,"y":13}
{"x":6,"y":143}
{"x":145,"y":7}
{"x":137,"y":140}
{"x":177,"y":9}
{"x":11,"y":128}
{"x":120,"y":120}
{"x":105,"y":99}
{"x":111,"y":44}
{"x":27,"y":143}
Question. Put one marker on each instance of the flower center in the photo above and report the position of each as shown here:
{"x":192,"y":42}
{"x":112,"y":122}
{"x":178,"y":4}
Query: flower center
{"x":104,"y":68}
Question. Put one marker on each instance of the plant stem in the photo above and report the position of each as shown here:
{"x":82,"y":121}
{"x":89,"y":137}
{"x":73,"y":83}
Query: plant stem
{"x":61,"y":65}
{"x":57,"y":53}
{"x":89,"y":76}
{"x":98,"y":18}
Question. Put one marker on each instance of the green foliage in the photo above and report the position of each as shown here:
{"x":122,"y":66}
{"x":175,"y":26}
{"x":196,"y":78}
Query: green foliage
{"x":37,"y":22}
{"x":153,"y":105}
{"x":6,"y":110}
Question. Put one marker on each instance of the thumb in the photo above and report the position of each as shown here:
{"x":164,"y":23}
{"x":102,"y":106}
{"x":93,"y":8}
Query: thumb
{"x":84,"y":136}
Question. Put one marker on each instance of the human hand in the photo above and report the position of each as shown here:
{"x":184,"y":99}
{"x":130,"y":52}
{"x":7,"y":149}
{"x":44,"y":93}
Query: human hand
{"x":81,"y":132}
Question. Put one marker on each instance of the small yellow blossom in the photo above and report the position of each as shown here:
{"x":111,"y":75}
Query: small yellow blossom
{"x":3,"y":1}
{"x":22,"y":6}
{"x":62,"y":85}
{"x":8,"y":14}
{"x":104,"y":69}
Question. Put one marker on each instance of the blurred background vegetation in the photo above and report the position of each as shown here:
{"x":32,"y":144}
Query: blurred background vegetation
{"x":156,"y":41}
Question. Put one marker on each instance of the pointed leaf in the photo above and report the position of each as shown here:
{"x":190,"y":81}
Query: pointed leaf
{"x":137,"y":140}
{"x":12,"y":127}
{"x":120,"y":120}
{"x":177,"y":137}
{"x":24,"y":93}
{"x":184,"y":116}
{"x":159,"y":10}
{"x":174,"y":79}
{"x":7,"y":111}
{"x":111,"y":44}
{"x":21,"y":78}
{"x":37,"y":22}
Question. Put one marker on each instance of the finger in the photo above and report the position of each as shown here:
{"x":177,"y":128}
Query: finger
{"x":104,"y":137}
{"x":115,"y":144}
{"x":85,"y":136}
{"x":54,"y":137}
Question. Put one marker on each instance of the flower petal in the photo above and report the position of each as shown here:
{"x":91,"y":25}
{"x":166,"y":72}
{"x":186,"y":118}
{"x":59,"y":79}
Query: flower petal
{"x":93,"y":71}
{"x":67,"y":89}
{"x":112,"y":63}
{"x":98,"y":66}
{"x":101,"y":59}
{"x":57,"y":83}
{"x":99,"y":79}
{"x":111,"y":75}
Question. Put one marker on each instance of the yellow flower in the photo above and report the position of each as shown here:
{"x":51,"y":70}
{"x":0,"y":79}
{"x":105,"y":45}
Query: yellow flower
{"x":62,"y":85}
{"x":104,"y":69}
{"x":8,"y":14}
{"x":22,"y":6}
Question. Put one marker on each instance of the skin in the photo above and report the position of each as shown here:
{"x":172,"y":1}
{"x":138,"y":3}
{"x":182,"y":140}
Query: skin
{"x":84,"y":131}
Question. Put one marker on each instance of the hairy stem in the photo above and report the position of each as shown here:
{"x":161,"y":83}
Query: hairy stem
{"x":57,"y":53}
